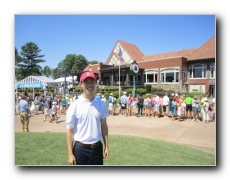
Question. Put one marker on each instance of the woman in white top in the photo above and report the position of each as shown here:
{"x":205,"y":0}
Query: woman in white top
{"x":206,"y":111}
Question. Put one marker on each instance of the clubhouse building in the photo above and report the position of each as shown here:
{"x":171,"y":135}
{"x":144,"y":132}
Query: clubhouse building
{"x":183,"y":71}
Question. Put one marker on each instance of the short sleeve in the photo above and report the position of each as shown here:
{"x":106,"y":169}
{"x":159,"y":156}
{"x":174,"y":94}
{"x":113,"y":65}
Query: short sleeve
{"x":71,"y":116}
{"x":105,"y":112}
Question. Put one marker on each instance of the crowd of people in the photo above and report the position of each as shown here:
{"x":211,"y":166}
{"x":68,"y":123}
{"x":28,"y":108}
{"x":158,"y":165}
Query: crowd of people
{"x":153,"y":106}
{"x":50,"y":106}
{"x":174,"y":106}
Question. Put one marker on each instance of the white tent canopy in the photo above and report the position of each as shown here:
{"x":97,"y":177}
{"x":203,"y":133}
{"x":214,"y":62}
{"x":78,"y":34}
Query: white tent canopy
{"x":35,"y":82}
{"x":68,"y":79}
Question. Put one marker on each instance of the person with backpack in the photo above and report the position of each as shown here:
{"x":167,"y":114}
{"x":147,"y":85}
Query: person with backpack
{"x":194,"y":108}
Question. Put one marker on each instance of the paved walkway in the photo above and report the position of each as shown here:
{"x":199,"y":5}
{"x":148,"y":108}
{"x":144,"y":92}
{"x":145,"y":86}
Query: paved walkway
{"x":187,"y":132}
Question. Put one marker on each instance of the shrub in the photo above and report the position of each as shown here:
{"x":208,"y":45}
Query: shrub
{"x":141,"y":91}
{"x":148,"y":88}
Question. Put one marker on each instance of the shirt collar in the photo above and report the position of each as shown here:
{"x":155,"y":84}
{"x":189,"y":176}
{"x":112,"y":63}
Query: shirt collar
{"x":83,"y":99}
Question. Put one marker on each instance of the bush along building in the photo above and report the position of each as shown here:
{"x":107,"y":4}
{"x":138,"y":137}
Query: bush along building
{"x":183,"y":71}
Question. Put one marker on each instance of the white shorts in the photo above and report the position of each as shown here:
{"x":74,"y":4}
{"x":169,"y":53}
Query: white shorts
{"x":110,"y":106}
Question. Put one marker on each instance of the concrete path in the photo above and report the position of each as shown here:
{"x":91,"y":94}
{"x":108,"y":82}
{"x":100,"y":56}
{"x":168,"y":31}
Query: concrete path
{"x":187,"y":132}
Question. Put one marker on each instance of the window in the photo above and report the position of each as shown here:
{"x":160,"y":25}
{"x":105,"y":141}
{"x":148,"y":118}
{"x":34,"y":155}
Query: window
{"x":151,"y":76}
{"x":185,"y":80}
{"x":170,"y":76}
{"x":212,"y":71}
{"x":198,"y":71}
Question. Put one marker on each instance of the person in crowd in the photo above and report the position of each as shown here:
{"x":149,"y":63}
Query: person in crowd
{"x":198,"y":112}
{"x":103,"y":98}
{"x":166,"y":104}
{"x":157,"y":106}
{"x":124,"y":101}
{"x":173,"y":108}
{"x":54,"y":112}
{"x":206,"y":111}
{"x":149,"y":106}
{"x":213,"y":112}
{"x":153,"y":109}
{"x":110,"y":102}
{"x":130,"y":100}
{"x":41,"y":103}
{"x":24,"y":111}
{"x":179,"y":112}
{"x":140,"y":104}
{"x":36,"y":104}
{"x":47,"y":107}
{"x":67,"y":97}
{"x":194,"y":108}
{"x":64,"y":104}
{"x":70,"y":88}
{"x":59,"y":105}
{"x":188,"y":102}
{"x":98,"y":96}
{"x":86,"y":126}
{"x":114,"y":105}
{"x":145,"y":106}
{"x":134,"y":107}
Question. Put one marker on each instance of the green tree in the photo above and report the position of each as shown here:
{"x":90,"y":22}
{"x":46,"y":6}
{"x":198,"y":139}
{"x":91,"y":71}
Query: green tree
{"x":47,"y":71}
{"x":18,"y":71}
{"x":93,"y":62}
{"x":56,"y":73}
{"x":27,"y":62}
{"x":72,"y":64}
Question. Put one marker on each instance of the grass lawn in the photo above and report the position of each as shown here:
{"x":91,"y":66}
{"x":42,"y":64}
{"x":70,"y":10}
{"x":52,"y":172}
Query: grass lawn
{"x":49,"y":149}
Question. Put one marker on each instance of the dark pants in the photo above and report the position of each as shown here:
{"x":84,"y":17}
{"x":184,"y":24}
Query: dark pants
{"x":140,"y":109}
{"x":88,"y":156}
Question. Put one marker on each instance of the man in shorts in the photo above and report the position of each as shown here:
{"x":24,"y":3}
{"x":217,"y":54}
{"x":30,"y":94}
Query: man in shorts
{"x":124,"y":101}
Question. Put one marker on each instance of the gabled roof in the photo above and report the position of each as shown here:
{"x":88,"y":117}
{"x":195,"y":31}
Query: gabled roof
{"x":132,"y":50}
{"x":206,"y":51}
{"x":92,"y":67}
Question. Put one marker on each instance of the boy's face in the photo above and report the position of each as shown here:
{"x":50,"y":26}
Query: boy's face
{"x":88,"y":85}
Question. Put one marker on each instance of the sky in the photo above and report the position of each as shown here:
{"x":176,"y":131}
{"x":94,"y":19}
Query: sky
{"x":94,"y":36}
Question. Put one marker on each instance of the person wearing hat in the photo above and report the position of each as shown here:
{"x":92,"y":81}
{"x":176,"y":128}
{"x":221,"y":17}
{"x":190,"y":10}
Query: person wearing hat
{"x":86,"y":126}
{"x":103,"y":99}
{"x":98,"y":96}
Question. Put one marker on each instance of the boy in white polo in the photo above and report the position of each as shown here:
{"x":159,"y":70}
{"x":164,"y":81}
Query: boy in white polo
{"x":86,"y":125}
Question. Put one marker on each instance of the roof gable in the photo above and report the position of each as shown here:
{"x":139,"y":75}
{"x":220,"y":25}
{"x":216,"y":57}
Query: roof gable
{"x":129,"y":51}
{"x":206,"y":51}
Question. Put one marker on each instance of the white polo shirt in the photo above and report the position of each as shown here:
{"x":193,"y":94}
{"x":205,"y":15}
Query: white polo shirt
{"x":165,"y":100}
{"x":85,"y":116}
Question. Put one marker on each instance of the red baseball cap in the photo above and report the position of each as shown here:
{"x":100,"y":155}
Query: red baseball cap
{"x":86,"y":75}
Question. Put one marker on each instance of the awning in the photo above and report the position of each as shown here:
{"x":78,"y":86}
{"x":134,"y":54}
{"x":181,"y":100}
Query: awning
{"x":212,"y":82}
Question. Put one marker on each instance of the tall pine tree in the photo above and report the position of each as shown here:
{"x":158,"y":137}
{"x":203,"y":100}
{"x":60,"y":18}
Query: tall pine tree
{"x":26,"y":64}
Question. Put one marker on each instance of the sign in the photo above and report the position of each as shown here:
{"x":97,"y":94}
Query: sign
{"x":135,"y":68}
{"x":29,"y":85}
